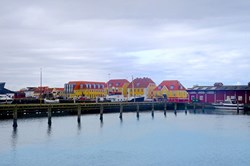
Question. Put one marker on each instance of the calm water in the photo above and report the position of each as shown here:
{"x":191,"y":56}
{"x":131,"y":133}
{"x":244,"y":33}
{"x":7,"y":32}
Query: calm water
{"x":192,"y":139}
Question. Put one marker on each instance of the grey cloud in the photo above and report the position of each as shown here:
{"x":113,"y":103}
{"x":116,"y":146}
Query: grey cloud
{"x":193,"y":41}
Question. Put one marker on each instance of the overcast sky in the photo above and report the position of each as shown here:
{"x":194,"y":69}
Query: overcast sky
{"x":193,"y":41}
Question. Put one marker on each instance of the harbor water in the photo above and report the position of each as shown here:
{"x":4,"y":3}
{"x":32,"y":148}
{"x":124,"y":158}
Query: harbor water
{"x":200,"y":139}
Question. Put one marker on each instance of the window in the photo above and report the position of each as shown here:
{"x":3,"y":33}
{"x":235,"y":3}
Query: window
{"x":201,"y":97}
{"x":240,"y":98}
{"x":138,"y":84}
{"x":81,"y":86}
{"x":171,"y":86}
{"x":117,"y":84}
{"x":110,"y":84}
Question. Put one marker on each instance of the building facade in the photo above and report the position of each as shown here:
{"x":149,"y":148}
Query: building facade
{"x":141,"y":87}
{"x":219,"y":93}
{"x":87,"y":89}
{"x":173,"y":90}
{"x":118,"y":86}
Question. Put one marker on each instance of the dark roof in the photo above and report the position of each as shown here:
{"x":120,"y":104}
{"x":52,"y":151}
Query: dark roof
{"x":224,"y":87}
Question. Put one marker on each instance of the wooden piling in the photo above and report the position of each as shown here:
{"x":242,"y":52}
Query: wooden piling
{"x":238,"y":111}
{"x":175,"y":108}
{"x":101,"y":112}
{"x":165,"y":109}
{"x":186,"y":108}
{"x":153,"y":108}
{"x":137,"y":110}
{"x":121,"y":110}
{"x":79,"y":112}
{"x":15,"y":117}
{"x":49,"y":115}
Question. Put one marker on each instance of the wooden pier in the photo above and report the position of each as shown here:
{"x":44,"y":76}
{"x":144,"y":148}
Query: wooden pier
{"x":16,"y":111}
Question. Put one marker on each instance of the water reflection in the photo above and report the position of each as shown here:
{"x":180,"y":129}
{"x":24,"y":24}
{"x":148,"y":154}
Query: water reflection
{"x":79,"y":127}
{"x":101,"y":123}
{"x":49,"y":131}
{"x":214,"y":111}
{"x":14,"y":137}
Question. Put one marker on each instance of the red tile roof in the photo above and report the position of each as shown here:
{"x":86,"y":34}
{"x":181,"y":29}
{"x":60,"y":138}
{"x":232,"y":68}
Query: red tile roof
{"x":176,"y":85}
{"x":117,"y":83}
{"x":44,"y":89}
{"x":59,"y":89}
{"x":141,"y":82}
{"x":84,"y":84}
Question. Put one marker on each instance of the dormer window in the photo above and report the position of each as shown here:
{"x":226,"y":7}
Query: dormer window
{"x":171,"y":86}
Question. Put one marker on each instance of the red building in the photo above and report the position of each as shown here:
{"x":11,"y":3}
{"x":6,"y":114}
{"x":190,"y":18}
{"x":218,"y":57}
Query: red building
{"x":219,"y":93}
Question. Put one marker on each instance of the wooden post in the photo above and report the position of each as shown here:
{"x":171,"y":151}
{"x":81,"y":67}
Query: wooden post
{"x":238,"y":111}
{"x":101,"y":112}
{"x":79,"y":112}
{"x":49,"y":115}
{"x":121,"y":110}
{"x":153,"y":108}
{"x":165,"y":108}
{"x":186,"y":108}
{"x":137,"y":110}
{"x":15,"y":117}
{"x":175,"y":108}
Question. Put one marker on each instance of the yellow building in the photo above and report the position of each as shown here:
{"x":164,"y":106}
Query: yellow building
{"x":118,"y":86}
{"x":172,"y":89}
{"x":141,"y":87}
{"x":86,"y":89}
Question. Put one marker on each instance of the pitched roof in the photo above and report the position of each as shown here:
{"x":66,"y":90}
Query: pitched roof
{"x":86,"y":84}
{"x":224,"y":87}
{"x":59,"y":89}
{"x":171,"y":85}
{"x":117,"y":83}
{"x":141,"y":82}
{"x":43,"y":89}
